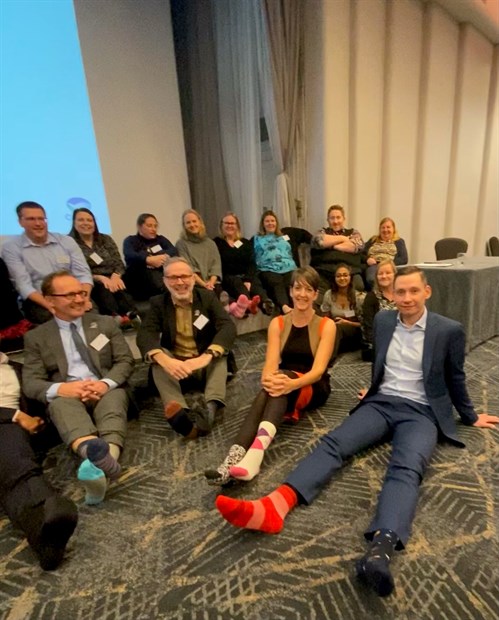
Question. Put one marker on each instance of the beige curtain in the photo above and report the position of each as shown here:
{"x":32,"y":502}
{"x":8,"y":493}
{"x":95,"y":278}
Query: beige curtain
{"x":282,"y":90}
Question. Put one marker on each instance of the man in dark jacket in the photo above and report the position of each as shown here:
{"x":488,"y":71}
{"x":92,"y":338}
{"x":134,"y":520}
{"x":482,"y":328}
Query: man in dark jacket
{"x":187,"y":335}
{"x":31,"y":503}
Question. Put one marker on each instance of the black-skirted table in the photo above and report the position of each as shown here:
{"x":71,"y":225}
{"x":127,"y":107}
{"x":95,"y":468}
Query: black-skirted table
{"x":468,"y":293}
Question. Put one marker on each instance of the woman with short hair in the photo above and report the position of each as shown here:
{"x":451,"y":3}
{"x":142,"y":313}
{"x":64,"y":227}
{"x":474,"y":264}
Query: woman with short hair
{"x":294,"y":379}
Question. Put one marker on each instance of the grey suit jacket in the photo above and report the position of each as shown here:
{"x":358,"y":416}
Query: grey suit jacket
{"x":443,"y":368}
{"x":45,"y":360}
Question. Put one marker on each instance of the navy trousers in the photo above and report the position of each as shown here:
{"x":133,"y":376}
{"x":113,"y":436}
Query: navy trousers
{"x":413,"y":431}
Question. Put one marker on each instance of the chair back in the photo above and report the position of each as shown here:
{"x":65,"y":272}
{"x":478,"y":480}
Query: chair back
{"x":450,"y":247}
{"x":493,"y":246}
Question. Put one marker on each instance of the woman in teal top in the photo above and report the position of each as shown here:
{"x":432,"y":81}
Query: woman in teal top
{"x":274,"y":261}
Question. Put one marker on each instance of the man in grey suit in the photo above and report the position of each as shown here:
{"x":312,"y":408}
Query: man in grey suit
{"x":77,"y":364}
{"x":417,"y":377}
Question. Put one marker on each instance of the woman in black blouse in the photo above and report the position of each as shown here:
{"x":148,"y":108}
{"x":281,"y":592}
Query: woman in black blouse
{"x":239,"y":277}
{"x":101,"y":252}
{"x":145,"y":254}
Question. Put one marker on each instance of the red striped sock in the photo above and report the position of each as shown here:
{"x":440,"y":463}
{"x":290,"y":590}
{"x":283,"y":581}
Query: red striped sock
{"x":265,"y":515}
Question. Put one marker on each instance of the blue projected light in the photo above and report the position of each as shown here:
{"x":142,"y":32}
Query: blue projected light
{"x":48,"y":149}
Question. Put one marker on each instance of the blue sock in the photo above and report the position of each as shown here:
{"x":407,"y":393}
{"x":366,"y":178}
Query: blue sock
{"x":94,"y":481}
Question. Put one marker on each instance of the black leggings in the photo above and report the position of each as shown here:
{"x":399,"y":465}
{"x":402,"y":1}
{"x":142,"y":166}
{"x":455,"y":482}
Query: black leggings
{"x":266,"y":408}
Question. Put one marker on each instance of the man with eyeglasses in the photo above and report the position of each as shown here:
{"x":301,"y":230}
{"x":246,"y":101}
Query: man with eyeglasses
{"x":36,"y":253}
{"x":77,"y":364}
{"x":187,"y":335}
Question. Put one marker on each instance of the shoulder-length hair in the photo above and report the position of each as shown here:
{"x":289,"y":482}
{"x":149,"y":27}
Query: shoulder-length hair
{"x":238,"y":224}
{"x":74,"y":233}
{"x":377,"y":237}
{"x":352,"y":302}
{"x":184,"y":234}
{"x":261,"y":229}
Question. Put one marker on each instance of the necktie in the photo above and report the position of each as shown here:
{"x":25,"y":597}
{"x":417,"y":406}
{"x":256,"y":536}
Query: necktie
{"x":83,"y":351}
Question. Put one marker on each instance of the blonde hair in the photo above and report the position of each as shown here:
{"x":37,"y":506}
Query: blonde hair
{"x":382,"y":263}
{"x":202,"y":232}
{"x":383,"y":221}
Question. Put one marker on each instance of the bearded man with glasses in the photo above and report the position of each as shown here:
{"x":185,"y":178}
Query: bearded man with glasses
{"x":187,"y":336}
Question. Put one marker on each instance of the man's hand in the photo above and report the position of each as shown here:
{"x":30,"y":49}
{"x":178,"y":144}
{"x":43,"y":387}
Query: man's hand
{"x":485,"y":420}
{"x":74,"y":389}
{"x":196,"y":363}
{"x":32,"y":425}
{"x":174,"y":367}
{"x":95,"y":391}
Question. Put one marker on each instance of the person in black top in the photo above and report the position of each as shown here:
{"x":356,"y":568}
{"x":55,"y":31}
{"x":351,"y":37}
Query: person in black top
{"x":13,"y":325}
{"x":102,"y":255}
{"x":239,"y":276}
{"x":145,"y":255}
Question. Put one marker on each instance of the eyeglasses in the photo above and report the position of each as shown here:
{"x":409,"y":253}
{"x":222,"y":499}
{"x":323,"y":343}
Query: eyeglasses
{"x":71,"y":296}
{"x":229,"y":223}
{"x":182,"y":278}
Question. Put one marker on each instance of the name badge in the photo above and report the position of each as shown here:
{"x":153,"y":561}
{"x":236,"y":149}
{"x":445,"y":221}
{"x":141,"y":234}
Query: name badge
{"x":238,"y":244}
{"x":63,"y":259}
{"x":99,"y":342}
{"x":96,"y":258}
{"x":200,"y":322}
{"x":285,"y":237}
{"x":156,"y":248}
{"x":349,"y":314}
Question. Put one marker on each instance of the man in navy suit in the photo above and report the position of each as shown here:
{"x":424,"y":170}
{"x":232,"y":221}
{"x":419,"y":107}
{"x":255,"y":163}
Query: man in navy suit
{"x":417,"y":377}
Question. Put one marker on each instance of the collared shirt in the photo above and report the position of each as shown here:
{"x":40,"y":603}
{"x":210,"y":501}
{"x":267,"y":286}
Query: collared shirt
{"x":77,"y":369}
{"x":10,"y":391}
{"x":29,"y":263}
{"x":404,"y":362}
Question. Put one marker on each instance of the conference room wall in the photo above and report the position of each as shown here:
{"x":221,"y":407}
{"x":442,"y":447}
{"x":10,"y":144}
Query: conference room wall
{"x":128,"y":54}
{"x":416,"y":100}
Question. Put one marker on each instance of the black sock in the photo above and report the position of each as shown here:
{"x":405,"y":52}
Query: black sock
{"x":374,"y":567}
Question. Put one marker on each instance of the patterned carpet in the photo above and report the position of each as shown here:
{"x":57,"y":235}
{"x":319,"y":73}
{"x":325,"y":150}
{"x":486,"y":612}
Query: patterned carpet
{"x":157,"y":548}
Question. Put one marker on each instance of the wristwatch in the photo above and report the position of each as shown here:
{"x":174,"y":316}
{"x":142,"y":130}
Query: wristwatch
{"x":214,"y":354}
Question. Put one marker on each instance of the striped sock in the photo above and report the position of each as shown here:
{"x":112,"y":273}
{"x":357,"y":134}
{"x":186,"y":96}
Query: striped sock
{"x":249,"y":466}
{"x":98,"y":454}
{"x":265,"y":515}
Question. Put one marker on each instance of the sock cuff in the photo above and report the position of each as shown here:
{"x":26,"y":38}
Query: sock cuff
{"x":289,"y":495}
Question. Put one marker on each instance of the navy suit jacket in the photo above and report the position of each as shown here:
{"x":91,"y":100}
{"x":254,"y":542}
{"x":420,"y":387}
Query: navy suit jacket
{"x":443,"y":368}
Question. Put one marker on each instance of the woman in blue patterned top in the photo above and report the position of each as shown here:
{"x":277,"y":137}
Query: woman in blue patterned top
{"x":274,"y":260}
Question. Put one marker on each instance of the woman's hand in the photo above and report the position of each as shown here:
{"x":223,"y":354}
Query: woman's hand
{"x":371,"y":261}
{"x":116,"y":283}
{"x":278,"y":384}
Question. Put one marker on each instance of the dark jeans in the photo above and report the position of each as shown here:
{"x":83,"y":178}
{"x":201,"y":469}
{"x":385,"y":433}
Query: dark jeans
{"x":119,"y":303}
{"x":277,"y":286}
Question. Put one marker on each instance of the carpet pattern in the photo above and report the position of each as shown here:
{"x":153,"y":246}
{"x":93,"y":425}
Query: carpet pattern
{"x":157,"y":548}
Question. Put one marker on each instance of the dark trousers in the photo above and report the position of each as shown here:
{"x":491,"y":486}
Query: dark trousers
{"x":22,"y":484}
{"x":109,"y":303}
{"x":277,"y":286}
{"x":35,"y":313}
{"x":144,"y":283}
{"x":414,"y":433}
